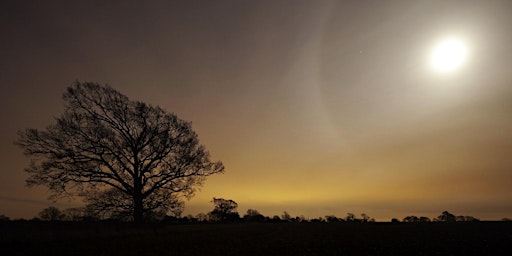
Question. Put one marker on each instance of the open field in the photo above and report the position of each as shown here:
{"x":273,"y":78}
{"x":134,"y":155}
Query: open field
{"x":33,"y":238}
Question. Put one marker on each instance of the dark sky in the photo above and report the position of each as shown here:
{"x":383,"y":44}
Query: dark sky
{"x":315,"y":107}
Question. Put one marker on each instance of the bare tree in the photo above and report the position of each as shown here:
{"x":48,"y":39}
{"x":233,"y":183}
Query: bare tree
{"x":74,"y":214}
{"x":105,"y":143}
{"x":52,"y":213}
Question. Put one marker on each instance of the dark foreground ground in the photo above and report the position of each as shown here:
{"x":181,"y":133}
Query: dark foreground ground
{"x":483,"y":238}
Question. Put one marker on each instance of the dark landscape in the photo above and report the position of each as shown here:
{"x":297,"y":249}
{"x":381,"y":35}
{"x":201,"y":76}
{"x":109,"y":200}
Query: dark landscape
{"x":104,"y":238}
{"x":124,"y":122}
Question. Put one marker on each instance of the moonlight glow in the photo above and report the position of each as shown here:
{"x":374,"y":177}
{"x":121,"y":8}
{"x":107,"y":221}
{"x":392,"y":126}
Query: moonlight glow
{"x":448,"y":55}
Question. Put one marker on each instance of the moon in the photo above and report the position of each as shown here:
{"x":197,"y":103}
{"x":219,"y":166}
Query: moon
{"x":448,"y":55}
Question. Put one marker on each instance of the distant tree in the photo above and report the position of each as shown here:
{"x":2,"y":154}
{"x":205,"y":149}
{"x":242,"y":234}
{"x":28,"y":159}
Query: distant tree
{"x":471,"y":218}
{"x":466,"y":218}
{"x":446,"y":217}
{"x":74,"y":214}
{"x":286,"y":216}
{"x":190,"y":218}
{"x":176,"y":209}
{"x":351,"y":217}
{"x":4,"y":218}
{"x":201,"y":217}
{"x":224,"y":210}
{"x":394,"y":220}
{"x":331,"y":218}
{"x":156,"y":216}
{"x":302,"y":218}
{"x":129,"y":150}
{"x":411,"y":219}
{"x":254,"y":215}
{"x":366,"y":218}
{"x":424,"y":219}
{"x":275,"y":218}
{"x":317,"y":220}
{"x":90,"y":214}
{"x":51,"y":214}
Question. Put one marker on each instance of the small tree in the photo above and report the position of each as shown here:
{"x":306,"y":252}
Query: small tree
{"x":411,"y":219}
{"x":224,"y":210}
{"x":201,"y":217}
{"x":350,"y":217}
{"x":446,"y":217}
{"x":126,"y":154}
{"x":254,"y":215}
{"x":302,"y":218}
{"x":51,"y":214}
{"x":366,"y":218}
{"x":74,"y":214}
{"x":332,"y":218}
{"x":286,"y":216}
{"x":466,"y":219}
{"x":275,"y":218}
{"x":424,"y":219}
{"x":4,"y":218}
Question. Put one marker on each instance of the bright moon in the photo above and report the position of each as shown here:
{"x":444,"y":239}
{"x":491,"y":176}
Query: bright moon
{"x":448,"y":55}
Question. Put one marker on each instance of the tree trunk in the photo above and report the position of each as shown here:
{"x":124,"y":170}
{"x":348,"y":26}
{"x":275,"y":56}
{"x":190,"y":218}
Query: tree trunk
{"x":138,"y":206}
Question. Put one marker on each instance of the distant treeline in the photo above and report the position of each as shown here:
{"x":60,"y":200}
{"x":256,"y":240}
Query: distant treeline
{"x":226,"y":211}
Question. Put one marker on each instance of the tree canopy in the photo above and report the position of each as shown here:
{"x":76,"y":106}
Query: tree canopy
{"x":120,"y":154}
{"x":224,"y":210}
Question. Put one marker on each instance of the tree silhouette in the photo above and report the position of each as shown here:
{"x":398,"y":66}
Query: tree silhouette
{"x":416,"y":219}
{"x":350,"y":217}
{"x":286,"y":216}
{"x":4,"y":218}
{"x":52,"y":213}
{"x":332,"y":218}
{"x":411,"y":219}
{"x":254,"y":215}
{"x":224,"y":210}
{"x":74,"y":214}
{"x":466,"y":218}
{"x":107,"y":146}
{"x":201,"y":217}
{"x":275,"y":218}
{"x":366,"y":218}
{"x":446,"y":217}
{"x":424,"y":219}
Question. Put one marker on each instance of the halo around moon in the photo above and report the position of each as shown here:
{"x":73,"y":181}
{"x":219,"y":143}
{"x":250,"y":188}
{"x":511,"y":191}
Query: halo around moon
{"x":448,"y":55}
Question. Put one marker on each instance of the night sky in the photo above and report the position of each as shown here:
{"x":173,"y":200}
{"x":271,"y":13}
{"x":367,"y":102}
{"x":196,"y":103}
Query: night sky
{"x":314,"y":107}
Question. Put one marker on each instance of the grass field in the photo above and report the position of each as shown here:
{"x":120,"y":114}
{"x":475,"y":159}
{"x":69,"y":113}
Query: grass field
{"x":40,"y":238}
